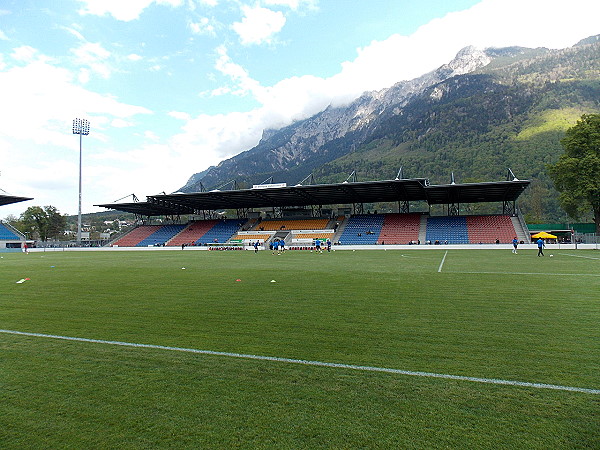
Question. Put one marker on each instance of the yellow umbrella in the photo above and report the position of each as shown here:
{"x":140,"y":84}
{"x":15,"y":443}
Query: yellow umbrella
{"x":543,"y":235}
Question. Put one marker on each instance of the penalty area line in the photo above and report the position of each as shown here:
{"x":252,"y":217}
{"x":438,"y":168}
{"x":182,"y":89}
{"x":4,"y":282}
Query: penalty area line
{"x":315,"y":363}
{"x":579,"y":256}
{"x":532,"y":273}
{"x":442,"y":263}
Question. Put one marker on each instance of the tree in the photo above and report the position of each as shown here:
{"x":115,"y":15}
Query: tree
{"x":44,"y":222}
{"x":576,"y":175}
{"x":56,"y":222}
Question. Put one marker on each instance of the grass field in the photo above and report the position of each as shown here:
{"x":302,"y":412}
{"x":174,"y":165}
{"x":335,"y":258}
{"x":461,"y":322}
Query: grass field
{"x":481,"y":314}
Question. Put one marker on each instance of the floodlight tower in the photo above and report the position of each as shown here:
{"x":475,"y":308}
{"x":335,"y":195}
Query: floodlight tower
{"x":80,"y":127}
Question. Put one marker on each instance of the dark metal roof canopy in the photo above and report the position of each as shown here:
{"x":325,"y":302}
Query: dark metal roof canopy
{"x":399,"y":190}
{"x":9,"y":199}
{"x":501,"y":191}
{"x":321,"y":194}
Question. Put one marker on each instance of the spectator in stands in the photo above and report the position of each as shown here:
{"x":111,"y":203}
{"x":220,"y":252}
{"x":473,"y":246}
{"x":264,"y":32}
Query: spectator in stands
{"x":497,"y":241}
{"x":515,"y":243}
{"x":541,"y":244}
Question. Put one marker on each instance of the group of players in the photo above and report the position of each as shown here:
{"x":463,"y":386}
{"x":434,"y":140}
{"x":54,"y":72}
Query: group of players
{"x":278,"y":246}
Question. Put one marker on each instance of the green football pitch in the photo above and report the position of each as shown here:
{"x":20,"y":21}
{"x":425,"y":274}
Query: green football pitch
{"x":364,"y":349}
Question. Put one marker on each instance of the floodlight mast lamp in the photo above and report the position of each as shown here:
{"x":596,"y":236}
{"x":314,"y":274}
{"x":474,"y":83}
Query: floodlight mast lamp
{"x":80,"y":127}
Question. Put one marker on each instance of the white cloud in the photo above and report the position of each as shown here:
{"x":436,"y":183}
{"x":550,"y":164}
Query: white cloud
{"x":3,"y":37}
{"x":151,"y":135}
{"x":293,"y":4}
{"x":74,"y":32}
{"x":203,"y":27}
{"x":258,"y":25}
{"x":179,"y":115}
{"x":84,"y":75}
{"x":134,"y":57}
{"x":93,"y":56}
{"x":24,"y":53}
{"x":124,"y":10}
{"x":44,"y":98}
{"x":245,"y":84}
{"x":120,"y":123}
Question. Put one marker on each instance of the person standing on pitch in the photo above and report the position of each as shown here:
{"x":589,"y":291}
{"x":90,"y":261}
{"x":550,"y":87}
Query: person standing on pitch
{"x":515,"y":242}
{"x":541,"y":245}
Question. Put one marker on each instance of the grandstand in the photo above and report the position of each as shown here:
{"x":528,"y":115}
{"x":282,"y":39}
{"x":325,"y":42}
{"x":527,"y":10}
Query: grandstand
{"x":352,"y":226}
{"x":9,"y":236}
{"x":361,"y":229}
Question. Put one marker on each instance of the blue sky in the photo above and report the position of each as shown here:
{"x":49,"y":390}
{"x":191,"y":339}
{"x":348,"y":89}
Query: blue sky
{"x":171,"y":87}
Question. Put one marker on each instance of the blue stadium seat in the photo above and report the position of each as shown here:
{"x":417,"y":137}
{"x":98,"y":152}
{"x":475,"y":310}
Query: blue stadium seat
{"x":452,"y":229}
{"x":7,"y":235}
{"x":161,"y":236}
{"x":363,"y":229}
{"x":220,"y":233}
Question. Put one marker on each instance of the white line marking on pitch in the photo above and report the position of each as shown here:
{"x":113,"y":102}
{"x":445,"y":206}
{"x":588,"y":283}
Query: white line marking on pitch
{"x":442,"y":263}
{"x":579,"y":256}
{"x":317,"y":363}
{"x":536,"y":273}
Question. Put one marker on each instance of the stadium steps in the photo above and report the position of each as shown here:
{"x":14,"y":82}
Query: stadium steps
{"x":522,"y":234}
{"x":423,"y":229}
{"x":340,"y":229}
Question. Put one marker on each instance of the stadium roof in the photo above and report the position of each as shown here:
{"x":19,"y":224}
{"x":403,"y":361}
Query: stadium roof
{"x":501,"y":191}
{"x":399,"y":190}
{"x":9,"y":199}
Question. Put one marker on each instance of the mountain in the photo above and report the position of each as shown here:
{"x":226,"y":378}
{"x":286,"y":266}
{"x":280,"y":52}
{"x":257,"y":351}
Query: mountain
{"x":484,"y":112}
